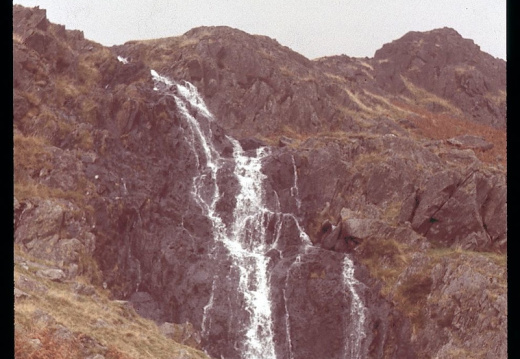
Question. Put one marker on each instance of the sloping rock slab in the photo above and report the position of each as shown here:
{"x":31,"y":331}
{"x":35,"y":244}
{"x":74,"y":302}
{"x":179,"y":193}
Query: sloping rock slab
{"x":471,"y":142}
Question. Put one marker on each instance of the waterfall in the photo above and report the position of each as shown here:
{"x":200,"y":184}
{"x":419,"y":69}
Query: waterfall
{"x":248,"y":247}
{"x":354,"y":333}
{"x":246,"y":239}
{"x":294,"y":188}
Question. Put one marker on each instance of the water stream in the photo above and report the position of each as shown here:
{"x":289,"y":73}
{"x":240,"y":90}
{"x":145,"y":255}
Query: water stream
{"x":355,"y":332}
{"x":246,"y":237}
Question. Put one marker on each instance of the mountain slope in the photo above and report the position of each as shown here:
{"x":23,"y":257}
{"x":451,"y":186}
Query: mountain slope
{"x":388,"y":160}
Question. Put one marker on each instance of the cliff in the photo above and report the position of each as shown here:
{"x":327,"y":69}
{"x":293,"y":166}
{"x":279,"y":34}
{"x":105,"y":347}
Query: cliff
{"x":396,"y":163}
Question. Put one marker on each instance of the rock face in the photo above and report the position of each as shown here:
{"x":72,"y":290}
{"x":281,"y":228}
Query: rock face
{"x":449,"y":66}
{"x":112,"y":183}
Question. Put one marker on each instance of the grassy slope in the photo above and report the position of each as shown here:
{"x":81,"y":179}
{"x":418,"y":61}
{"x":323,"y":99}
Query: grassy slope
{"x":110,"y":323}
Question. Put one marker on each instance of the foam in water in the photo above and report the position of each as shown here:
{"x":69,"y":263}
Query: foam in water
{"x":248,"y":250}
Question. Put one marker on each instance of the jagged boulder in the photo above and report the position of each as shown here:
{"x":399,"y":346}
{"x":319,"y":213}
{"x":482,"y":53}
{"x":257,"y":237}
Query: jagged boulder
{"x":55,"y":230}
{"x":454,"y":210}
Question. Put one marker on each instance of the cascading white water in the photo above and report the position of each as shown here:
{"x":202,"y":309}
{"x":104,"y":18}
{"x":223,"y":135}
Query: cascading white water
{"x":294,"y":188}
{"x":248,"y":247}
{"x":205,"y":317}
{"x":287,"y":316}
{"x":245,"y":238}
{"x":354,"y":333}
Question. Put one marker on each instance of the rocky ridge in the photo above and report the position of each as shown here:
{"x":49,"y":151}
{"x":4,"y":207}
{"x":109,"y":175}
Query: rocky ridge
{"x":399,"y":160}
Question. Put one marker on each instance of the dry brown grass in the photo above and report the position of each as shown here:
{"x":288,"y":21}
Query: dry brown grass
{"x":25,"y":190}
{"x":31,"y":154}
{"x":423,"y":97}
{"x":391,"y":212}
{"x":50,"y":347}
{"x":357,"y":99}
{"x":457,"y":254}
{"x":66,"y":91}
{"x":188,"y":42}
{"x":388,"y":259}
{"x":88,"y":65}
{"x":366,"y":64}
{"x":367,"y":158}
{"x":444,"y":126}
{"x":126,"y":334}
{"x":389,"y":109}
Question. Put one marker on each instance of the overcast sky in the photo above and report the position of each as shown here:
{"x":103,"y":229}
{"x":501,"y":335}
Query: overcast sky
{"x":313,"y":28}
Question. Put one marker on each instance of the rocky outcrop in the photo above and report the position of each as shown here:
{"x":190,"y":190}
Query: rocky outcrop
{"x":252,"y":84}
{"x":104,"y":169}
{"x":451,"y":67}
{"x":459,"y":287}
{"x":315,"y":304}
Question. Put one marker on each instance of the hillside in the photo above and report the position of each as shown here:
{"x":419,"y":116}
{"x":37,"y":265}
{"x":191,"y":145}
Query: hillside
{"x":379,"y":183}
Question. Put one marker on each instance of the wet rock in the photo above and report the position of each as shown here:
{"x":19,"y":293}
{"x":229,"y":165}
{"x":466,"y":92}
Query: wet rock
{"x":251,"y":144}
{"x":311,"y":295}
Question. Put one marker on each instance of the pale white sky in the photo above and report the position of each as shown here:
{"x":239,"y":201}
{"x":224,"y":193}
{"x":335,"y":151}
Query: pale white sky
{"x":313,"y":28}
